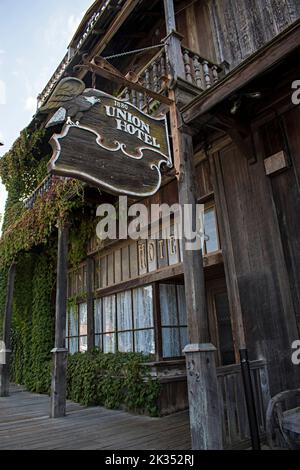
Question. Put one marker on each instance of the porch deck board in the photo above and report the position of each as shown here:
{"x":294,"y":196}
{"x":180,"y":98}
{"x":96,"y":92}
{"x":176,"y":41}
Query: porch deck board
{"x":25,"y":424}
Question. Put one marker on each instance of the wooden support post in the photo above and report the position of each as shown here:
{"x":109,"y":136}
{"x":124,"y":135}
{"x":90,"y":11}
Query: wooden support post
{"x":90,"y":304}
{"x":173,"y":42}
{"x":205,"y":416}
{"x":58,"y":386}
{"x":5,"y":353}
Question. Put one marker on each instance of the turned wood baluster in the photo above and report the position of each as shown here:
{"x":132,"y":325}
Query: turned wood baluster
{"x":163,"y":69}
{"x":215,"y":73}
{"x":197,"y":68}
{"x":133,"y":97}
{"x":155,"y":78}
{"x":141,"y":100}
{"x":206,"y":74}
{"x":147,"y":79}
{"x":187,"y":66}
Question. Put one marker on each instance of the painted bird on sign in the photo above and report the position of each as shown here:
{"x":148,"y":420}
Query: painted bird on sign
{"x":70,"y":100}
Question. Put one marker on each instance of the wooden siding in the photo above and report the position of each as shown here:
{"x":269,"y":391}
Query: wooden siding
{"x":240,"y":27}
{"x":260,"y":232}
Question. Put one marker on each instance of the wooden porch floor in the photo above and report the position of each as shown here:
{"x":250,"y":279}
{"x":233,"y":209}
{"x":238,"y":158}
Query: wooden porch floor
{"x":24,"y":424}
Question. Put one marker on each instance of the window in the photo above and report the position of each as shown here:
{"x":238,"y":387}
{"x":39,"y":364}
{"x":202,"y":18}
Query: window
{"x":76,"y":328}
{"x":173,"y":319}
{"x":211,"y":240}
{"x":124,"y":322}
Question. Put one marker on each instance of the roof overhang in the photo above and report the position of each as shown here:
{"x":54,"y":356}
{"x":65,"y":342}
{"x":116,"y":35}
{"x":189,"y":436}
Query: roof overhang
{"x":255,"y":65}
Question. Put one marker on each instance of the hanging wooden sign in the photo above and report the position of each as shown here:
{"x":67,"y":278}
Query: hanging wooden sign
{"x":105,"y":141}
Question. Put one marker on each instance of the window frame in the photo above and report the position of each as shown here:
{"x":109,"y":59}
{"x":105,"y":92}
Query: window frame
{"x":78,"y":336}
{"x":133,"y":330}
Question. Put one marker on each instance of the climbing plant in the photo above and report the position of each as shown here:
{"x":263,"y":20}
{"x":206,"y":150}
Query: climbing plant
{"x":33,"y":322}
{"x":113,"y":380}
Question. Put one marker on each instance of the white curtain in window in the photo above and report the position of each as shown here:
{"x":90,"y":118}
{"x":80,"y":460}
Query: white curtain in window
{"x":109,"y":343}
{"x":83,"y":319}
{"x":168,"y":305}
{"x":124,"y":310}
{"x":171,"y":342}
{"x":143,"y":307}
{"x":73,"y":315}
{"x":145,"y":342}
{"x":109,"y":314}
{"x":98,"y":316}
{"x":125,"y":341}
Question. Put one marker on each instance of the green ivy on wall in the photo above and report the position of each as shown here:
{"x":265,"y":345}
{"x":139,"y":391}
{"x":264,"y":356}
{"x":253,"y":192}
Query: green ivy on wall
{"x":33,"y":322}
{"x":112,"y":380}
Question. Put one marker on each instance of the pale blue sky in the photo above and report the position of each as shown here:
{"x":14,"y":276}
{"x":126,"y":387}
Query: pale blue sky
{"x":34,"y":35}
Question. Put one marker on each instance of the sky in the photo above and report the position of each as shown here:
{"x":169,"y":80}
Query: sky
{"x":34,"y":36}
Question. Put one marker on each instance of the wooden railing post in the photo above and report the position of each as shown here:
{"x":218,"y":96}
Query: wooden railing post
{"x":58,"y":386}
{"x":5,"y":353}
{"x":173,"y":42}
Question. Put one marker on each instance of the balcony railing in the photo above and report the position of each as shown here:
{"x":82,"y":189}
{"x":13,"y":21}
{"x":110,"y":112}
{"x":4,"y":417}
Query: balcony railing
{"x":42,"y":188}
{"x":199,"y":72}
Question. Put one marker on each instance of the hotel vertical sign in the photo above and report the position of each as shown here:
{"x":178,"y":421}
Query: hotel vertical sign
{"x":106,"y":142}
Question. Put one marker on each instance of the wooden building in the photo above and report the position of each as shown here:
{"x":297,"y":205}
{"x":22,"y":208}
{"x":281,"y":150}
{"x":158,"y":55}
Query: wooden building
{"x":234,"y":130}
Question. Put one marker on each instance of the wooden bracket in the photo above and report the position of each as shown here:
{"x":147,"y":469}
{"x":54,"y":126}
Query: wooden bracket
{"x":240,"y":133}
{"x":101,"y":67}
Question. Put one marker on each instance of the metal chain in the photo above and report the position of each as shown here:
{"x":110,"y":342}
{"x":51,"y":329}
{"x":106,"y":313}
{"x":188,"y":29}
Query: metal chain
{"x":137,"y":51}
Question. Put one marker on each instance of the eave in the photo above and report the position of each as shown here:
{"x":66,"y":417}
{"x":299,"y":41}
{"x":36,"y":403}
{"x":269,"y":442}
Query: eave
{"x":257,"y":64}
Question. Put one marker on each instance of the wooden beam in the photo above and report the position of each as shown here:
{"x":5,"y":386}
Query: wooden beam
{"x":58,"y":386}
{"x":4,"y":367}
{"x":121,"y":80}
{"x":116,"y":24}
{"x":256,"y":64}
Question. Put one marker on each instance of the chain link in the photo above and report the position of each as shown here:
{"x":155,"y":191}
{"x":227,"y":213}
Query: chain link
{"x":137,"y":51}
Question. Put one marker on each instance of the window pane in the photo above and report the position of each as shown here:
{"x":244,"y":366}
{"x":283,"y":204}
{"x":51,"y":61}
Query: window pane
{"x":98,"y":341}
{"x":125,"y":342}
{"x":83,"y":343}
{"x":181,"y":305}
{"x":171,"y":344}
{"x":73,"y":313}
{"x":83,"y":319}
{"x":124,"y":309}
{"x":109,"y":313}
{"x":143,"y":307}
{"x":97,"y":316}
{"x":73,"y":345}
{"x":183,"y":338}
{"x":144,"y":341}
{"x":168,"y":304}
{"x":224,"y":327}
{"x":109,"y":343}
{"x":210,"y":228}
